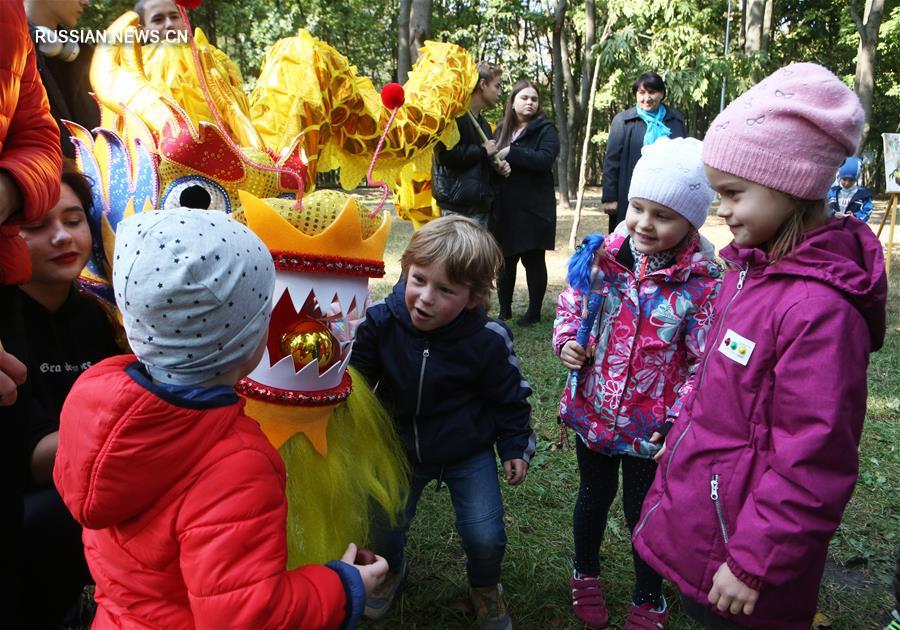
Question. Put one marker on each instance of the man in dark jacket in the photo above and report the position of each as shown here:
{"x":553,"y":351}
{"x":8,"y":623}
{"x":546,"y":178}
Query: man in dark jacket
{"x":461,"y":176}
{"x":629,"y":132}
{"x":64,"y":66}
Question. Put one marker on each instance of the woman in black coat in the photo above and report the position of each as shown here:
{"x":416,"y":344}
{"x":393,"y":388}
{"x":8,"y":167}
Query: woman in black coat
{"x":629,"y":133}
{"x":526,"y":200}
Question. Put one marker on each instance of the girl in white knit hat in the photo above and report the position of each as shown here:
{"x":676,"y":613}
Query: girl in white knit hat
{"x":631,"y":326}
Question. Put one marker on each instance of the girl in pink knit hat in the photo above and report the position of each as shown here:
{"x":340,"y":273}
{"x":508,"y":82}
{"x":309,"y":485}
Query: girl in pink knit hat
{"x":763,"y":457}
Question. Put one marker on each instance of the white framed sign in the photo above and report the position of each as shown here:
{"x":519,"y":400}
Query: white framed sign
{"x":891,"y":162}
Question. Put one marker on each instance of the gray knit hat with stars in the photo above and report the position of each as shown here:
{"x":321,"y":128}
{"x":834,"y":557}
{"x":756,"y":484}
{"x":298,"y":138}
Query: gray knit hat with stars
{"x":195,"y":291}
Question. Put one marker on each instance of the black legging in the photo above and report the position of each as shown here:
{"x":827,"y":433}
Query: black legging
{"x":535,"y":275}
{"x":55,"y":572}
{"x":599,"y":481}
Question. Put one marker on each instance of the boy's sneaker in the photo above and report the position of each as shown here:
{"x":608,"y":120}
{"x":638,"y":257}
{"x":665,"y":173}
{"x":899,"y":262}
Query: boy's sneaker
{"x":646,"y":617}
{"x":587,"y":601}
{"x":490,"y":609}
{"x":379,"y":602}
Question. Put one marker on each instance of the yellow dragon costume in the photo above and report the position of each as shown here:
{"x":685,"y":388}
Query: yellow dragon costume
{"x":159,"y":147}
{"x":307,"y":100}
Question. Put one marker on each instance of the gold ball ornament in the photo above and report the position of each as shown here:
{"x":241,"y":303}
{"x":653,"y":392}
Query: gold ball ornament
{"x":308,"y":340}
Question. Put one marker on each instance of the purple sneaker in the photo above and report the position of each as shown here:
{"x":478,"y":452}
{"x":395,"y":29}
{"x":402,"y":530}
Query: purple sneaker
{"x":588,"y":603}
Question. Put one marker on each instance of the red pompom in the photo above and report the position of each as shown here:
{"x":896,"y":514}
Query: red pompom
{"x":189,"y":4}
{"x":392,"y":95}
{"x":364,"y":557}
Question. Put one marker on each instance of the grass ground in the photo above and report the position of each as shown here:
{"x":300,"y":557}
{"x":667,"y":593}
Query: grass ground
{"x":856,"y":588}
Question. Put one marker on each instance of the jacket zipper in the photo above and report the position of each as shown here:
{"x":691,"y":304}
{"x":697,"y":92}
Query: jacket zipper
{"x":665,"y":476}
{"x":740,"y":285}
{"x":714,"y":495}
{"x":419,"y":403}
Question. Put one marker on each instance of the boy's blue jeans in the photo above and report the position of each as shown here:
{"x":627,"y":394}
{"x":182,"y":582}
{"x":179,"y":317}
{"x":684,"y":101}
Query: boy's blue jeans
{"x":475,"y":492}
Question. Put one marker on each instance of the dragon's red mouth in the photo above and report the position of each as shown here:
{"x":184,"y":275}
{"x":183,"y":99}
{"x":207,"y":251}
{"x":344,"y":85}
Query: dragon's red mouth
{"x":320,"y":311}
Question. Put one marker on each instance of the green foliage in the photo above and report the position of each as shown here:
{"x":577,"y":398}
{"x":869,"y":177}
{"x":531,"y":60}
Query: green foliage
{"x":688,"y":53}
{"x":888,"y":79}
{"x":886,"y":105}
{"x":511,"y":33}
{"x":99,"y":15}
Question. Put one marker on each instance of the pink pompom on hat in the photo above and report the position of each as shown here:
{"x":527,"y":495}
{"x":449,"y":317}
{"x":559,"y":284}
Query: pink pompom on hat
{"x":790,"y":132}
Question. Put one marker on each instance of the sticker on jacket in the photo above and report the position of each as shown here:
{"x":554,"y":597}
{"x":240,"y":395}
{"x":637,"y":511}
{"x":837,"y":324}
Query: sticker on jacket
{"x":736,"y":348}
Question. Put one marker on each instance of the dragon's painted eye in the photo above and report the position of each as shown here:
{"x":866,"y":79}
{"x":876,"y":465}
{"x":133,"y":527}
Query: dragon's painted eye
{"x":194,"y":191}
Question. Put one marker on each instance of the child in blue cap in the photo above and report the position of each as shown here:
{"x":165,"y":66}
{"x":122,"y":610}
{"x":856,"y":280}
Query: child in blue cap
{"x":847,"y":196}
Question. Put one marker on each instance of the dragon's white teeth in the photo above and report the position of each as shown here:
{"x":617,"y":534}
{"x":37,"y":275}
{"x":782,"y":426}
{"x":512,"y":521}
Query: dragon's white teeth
{"x":332,"y":295}
{"x":284,"y":375}
{"x":310,"y":370}
{"x":347,"y":290}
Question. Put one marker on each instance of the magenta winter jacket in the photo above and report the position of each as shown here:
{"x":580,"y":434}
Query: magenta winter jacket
{"x":763,"y":458}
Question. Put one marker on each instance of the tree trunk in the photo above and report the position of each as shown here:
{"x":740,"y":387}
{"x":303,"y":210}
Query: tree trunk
{"x":571,"y":107}
{"x":584,"y":157}
{"x":589,"y":99}
{"x":864,"y":81}
{"x":207,"y":20}
{"x":419,"y":27}
{"x":590,"y":34}
{"x":767,"y":25}
{"x":753,"y":19}
{"x":403,"y":62}
{"x":559,"y":104}
{"x":582,"y":100}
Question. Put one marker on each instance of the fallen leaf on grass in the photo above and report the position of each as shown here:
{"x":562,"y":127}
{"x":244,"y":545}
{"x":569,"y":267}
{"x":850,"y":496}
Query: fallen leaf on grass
{"x":821,"y":621}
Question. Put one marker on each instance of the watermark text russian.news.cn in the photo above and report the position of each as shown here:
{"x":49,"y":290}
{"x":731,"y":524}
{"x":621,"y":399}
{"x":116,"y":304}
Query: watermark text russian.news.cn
{"x":94,"y":37}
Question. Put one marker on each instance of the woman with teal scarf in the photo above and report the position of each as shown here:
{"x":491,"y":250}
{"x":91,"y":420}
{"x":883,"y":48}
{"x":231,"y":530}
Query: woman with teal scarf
{"x":630,"y":131}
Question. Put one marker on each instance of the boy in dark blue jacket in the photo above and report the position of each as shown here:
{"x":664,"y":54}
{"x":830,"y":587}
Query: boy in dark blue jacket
{"x":847,"y":197}
{"x":449,"y":377}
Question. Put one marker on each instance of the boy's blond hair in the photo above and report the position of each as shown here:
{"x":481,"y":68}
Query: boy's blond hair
{"x":488,"y":72}
{"x":469,"y":254}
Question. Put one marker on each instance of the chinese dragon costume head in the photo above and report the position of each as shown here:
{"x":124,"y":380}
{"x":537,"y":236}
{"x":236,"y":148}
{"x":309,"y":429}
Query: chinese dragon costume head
{"x":178,"y":131}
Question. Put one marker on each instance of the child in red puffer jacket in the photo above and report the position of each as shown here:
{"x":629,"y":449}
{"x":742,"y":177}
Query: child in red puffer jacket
{"x":180,"y":494}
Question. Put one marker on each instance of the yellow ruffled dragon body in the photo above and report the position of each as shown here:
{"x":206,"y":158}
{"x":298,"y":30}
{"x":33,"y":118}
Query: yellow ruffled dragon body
{"x":308,"y":98}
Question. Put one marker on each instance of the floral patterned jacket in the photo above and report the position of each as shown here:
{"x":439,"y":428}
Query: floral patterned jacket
{"x":647,"y":341}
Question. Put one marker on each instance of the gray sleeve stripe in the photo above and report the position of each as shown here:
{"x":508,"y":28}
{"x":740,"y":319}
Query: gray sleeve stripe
{"x":529,"y":450}
{"x":513,"y":359}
